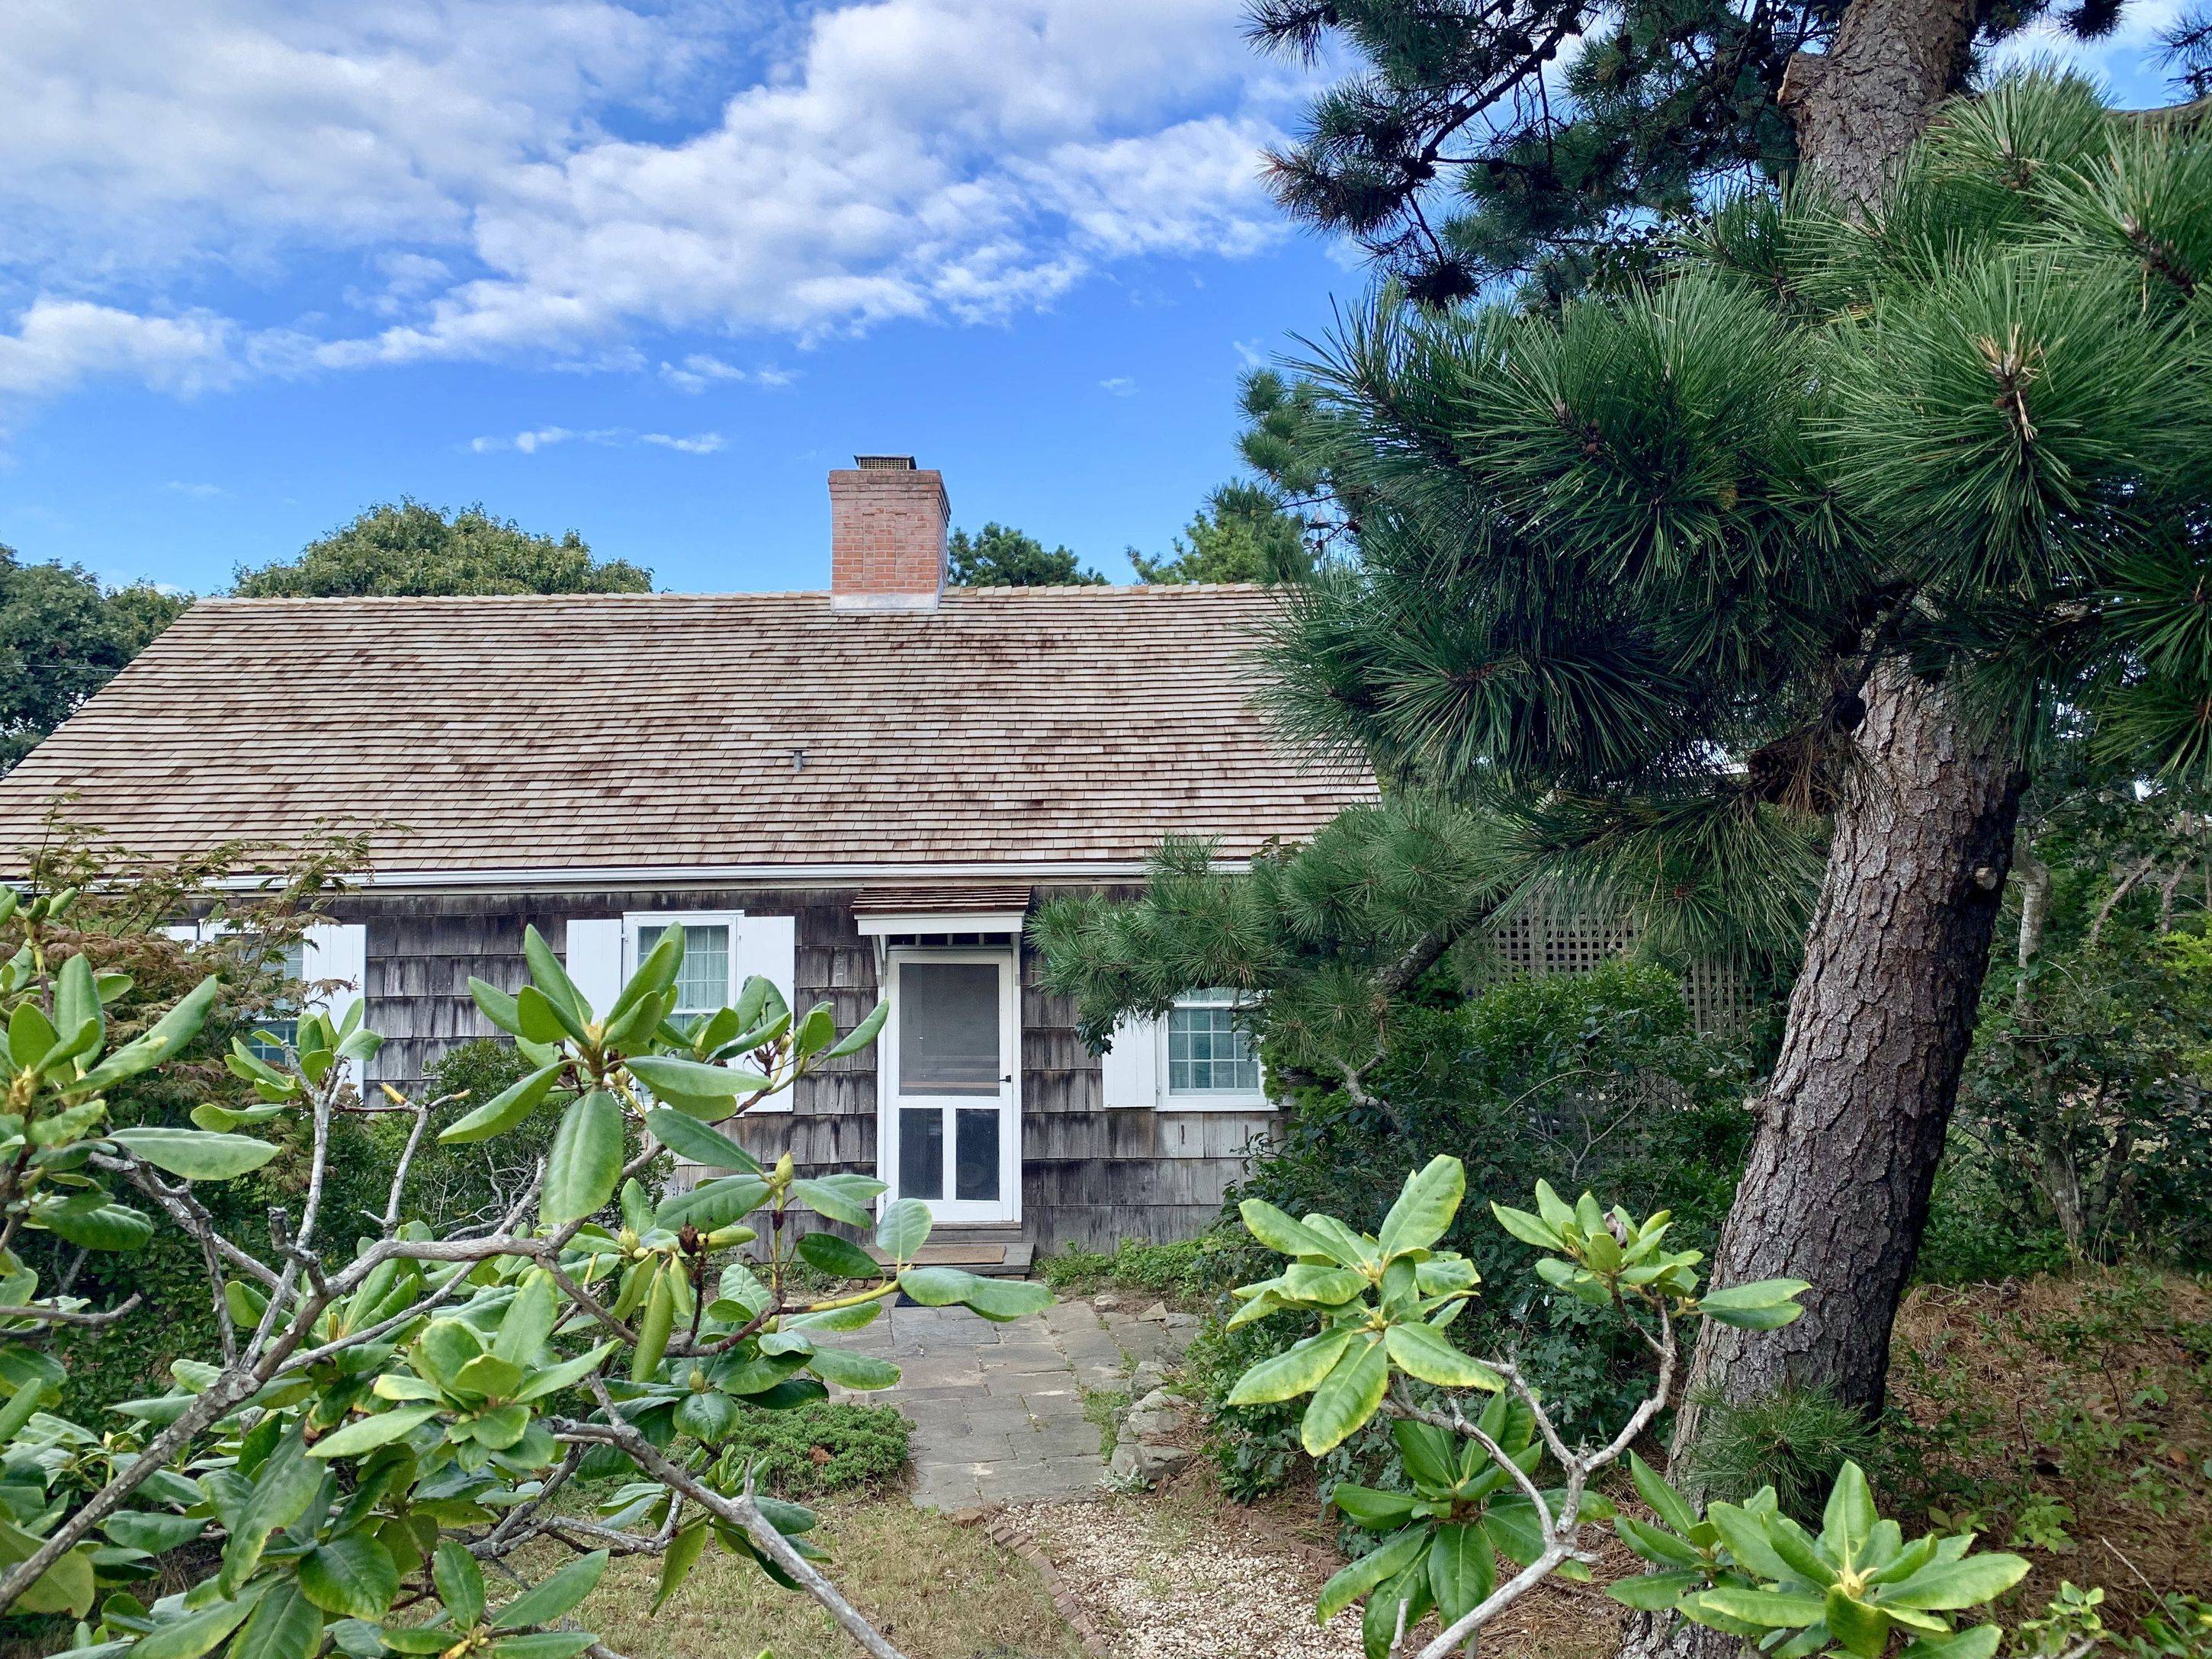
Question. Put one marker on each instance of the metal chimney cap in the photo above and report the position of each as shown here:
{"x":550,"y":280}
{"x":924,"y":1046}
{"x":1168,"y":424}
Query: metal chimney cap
{"x":885,"y":463}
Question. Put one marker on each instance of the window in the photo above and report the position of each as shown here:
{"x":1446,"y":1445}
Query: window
{"x":279,"y":1026}
{"x":722,"y":948}
{"x":332,"y":955}
{"x":1209,"y":1051}
{"x":703,"y":983}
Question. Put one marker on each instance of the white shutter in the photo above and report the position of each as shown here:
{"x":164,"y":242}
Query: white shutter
{"x":1131,"y":1067}
{"x":335,"y":951}
{"x":769,"y":946}
{"x":594,"y":960}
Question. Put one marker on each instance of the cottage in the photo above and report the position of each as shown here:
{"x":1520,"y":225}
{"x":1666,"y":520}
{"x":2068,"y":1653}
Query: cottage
{"x":859,"y":794}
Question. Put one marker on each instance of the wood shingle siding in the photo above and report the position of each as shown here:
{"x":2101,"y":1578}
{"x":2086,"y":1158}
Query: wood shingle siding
{"x":1090,"y":1176}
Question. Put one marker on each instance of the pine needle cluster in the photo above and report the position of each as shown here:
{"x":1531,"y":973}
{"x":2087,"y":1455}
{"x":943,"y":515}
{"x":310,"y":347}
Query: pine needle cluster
{"x":1555,"y":140}
{"x":1626,"y":568}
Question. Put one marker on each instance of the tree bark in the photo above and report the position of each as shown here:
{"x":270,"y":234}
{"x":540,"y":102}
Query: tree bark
{"x":1857,"y":106}
{"x":1851,"y":1127}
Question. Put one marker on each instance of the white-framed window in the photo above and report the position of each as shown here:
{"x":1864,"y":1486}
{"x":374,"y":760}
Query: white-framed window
{"x":331,"y":956}
{"x":722,"y":948}
{"x":708,"y":980}
{"x":279,"y":1026}
{"x":1197,"y":1057}
{"x":1209,"y":1049}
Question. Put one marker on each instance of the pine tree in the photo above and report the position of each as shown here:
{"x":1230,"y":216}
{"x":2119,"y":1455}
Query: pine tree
{"x":1241,"y":535}
{"x":1855,"y":521}
{"x":1866,"y":512}
{"x":1454,"y":163}
{"x":999,"y":556}
{"x":1464,"y":152}
{"x":1329,"y":936}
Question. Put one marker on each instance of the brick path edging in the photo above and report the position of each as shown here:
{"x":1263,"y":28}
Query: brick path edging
{"x":1009,"y":1534}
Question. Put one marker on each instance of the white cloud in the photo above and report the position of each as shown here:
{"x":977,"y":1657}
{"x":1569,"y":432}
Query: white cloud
{"x":58,"y":342}
{"x":478,"y":164}
{"x":530,"y":441}
{"x":1119,"y":385}
{"x":197,"y":491}
{"x":700,"y":369}
{"x":224,"y":129}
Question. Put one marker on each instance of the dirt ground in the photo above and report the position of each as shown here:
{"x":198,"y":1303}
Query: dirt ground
{"x":2066,"y":1418}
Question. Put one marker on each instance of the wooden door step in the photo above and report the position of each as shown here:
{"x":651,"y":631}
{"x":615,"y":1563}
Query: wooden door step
{"x":1009,"y":1259}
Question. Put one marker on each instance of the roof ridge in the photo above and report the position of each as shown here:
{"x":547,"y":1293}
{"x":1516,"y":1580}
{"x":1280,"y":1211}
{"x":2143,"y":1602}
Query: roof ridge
{"x":1083,"y":590}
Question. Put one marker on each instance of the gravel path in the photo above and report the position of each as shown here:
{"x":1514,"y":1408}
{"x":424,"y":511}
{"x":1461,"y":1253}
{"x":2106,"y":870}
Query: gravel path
{"x":1168,"y":1584}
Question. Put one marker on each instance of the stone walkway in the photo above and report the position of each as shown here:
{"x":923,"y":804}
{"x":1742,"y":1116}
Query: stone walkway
{"x":997,"y":1409}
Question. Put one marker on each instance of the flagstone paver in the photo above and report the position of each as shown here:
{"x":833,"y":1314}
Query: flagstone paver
{"x":997,"y":1409}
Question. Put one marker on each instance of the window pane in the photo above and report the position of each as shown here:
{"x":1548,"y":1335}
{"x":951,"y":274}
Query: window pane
{"x":949,"y":1028}
{"x":280,"y":1021}
{"x":1207,"y":1050}
{"x":975,"y":1162}
{"x":921,"y":1151}
{"x":703,"y":984}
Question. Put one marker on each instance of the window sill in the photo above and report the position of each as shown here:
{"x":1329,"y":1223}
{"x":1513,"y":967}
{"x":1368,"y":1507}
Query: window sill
{"x":1222,"y":1100}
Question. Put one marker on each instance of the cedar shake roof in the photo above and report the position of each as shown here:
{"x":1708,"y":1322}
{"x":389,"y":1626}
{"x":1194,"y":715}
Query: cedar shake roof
{"x":944,"y":898}
{"x":1069,"y":726}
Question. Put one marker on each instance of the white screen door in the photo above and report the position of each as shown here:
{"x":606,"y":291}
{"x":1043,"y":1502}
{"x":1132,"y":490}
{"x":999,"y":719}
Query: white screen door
{"x":951,"y":1129}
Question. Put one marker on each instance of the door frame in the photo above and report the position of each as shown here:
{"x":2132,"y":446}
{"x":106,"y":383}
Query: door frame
{"x":946,"y":1211}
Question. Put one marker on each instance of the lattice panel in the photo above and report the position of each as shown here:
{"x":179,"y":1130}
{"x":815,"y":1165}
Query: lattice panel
{"x":1543,"y":940}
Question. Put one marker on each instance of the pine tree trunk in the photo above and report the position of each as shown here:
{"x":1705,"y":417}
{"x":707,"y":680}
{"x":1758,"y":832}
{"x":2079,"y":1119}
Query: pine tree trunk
{"x":1851,"y":1127}
{"x":1857,"y":106}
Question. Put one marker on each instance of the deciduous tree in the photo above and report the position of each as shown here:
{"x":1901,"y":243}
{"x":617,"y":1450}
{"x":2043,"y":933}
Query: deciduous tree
{"x":404,"y":547}
{"x":61,"y":637}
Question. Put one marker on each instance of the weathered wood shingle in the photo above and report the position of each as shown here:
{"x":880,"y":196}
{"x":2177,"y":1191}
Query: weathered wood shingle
{"x":1037,"y":726}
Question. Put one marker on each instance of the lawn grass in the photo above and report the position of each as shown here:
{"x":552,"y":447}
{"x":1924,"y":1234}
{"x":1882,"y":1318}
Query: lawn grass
{"x":936,"y":1589}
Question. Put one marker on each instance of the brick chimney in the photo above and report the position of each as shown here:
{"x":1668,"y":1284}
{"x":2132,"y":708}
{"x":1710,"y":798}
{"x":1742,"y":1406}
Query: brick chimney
{"x":887,"y":523}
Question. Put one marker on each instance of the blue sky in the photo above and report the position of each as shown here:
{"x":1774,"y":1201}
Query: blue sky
{"x":646,"y":270}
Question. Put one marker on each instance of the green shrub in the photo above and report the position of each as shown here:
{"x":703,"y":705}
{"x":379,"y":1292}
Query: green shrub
{"x":475,"y":1183}
{"x":824,"y":1446}
{"x":1255,"y":1449}
{"x":115,"y":924}
{"x":1795,"y":1441}
{"x":1982,"y":1226}
{"x":1601,"y":1075}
